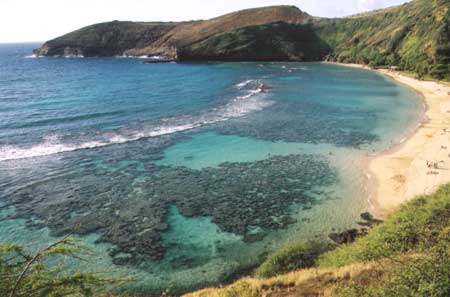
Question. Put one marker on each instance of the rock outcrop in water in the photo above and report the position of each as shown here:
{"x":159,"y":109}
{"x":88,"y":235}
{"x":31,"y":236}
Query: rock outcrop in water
{"x":414,"y":36}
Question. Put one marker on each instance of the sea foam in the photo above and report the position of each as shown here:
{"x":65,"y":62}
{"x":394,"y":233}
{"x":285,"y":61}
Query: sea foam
{"x":252,"y":99}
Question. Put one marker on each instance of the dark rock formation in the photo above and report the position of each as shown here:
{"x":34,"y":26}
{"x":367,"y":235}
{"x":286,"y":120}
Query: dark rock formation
{"x":349,"y":236}
{"x":105,"y":39}
{"x":247,"y":199}
{"x":368,"y":220}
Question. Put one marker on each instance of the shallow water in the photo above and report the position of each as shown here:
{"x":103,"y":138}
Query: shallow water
{"x":184,"y":175}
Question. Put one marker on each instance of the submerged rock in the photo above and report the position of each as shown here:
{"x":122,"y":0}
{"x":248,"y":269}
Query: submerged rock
{"x":129,"y":207}
{"x":312,"y":122}
{"x":369,"y":220}
{"x":347,"y":236}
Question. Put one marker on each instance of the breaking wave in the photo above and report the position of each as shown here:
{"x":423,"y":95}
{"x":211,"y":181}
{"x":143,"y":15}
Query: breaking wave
{"x":252,"y":99}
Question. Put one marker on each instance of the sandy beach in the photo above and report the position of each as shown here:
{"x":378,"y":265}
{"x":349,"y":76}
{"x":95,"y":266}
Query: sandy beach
{"x":421,"y":163}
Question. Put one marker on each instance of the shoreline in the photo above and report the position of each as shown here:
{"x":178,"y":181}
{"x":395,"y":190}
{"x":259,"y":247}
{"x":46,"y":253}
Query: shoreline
{"x":400,"y":173}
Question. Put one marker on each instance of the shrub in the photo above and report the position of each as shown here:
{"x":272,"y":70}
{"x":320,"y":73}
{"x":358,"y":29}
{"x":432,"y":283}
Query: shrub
{"x":413,"y":275}
{"x":425,"y":275}
{"x":415,"y":227}
{"x":291,"y":258}
{"x":240,"y":289}
{"x":23,"y":274}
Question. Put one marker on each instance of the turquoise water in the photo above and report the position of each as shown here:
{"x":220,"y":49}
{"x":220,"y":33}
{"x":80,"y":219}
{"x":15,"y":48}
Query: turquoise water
{"x":186,"y":175}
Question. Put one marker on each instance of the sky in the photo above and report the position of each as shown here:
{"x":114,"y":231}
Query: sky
{"x":41,"y":20}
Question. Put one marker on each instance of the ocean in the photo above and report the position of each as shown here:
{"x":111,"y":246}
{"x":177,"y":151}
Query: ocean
{"x":188,"y":175}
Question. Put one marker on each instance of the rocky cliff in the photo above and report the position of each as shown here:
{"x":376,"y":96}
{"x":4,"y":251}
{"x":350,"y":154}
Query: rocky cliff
{"x":137,"y":39}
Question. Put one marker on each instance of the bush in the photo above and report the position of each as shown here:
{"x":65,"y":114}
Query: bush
{"x":425,"y":275}
{"x":241,"y":289}
{"x":415,"y":227}
{"x":413,"y":275}
{"x":439,"y":71}
{"x":289,"y":259}
{"x":23,"y":274}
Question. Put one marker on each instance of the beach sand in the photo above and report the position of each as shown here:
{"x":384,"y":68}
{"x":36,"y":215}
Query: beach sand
{"x":402,"y":172}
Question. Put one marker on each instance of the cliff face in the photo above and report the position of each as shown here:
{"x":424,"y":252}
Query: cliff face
{"x":414,"y":36}
{"x":136,"y":39}
{"x":105,"y":39}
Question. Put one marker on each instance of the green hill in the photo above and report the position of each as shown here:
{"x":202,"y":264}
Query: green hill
{"x":414,"y":36}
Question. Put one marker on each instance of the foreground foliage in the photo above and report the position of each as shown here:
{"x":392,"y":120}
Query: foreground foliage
{"x":23,"y":274}
{"x":414,"y":37}
{"x":302,"y":255}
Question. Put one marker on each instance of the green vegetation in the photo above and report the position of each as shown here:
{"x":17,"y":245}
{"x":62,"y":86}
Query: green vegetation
{"x":240,"y":289}
{"x":44,"y":273}
{"x":287,"y":42}
{"x":414,"y":228}
{"x":414,"y":37}
{"x":302,"y":255}
{"x":422,"y":274}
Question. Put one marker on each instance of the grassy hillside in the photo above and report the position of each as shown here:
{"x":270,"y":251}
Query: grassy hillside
{"x":187,"y":37}
{"x":408,"y":255}
{"x":190,"y":33}
{"x":414,"y":36}
{"x":276,"y":41}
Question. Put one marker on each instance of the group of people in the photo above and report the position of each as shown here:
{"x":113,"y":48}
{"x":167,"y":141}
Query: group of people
{"x":434,"y":165}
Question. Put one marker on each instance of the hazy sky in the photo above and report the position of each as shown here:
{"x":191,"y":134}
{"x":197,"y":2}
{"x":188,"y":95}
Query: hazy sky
{"x":40,"y":20}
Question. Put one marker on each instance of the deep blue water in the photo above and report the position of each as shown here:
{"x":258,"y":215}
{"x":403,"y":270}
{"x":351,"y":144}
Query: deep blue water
{"x":185,"y":174}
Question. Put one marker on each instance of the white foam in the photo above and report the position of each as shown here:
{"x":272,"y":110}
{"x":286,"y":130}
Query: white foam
{"x":244,"y":83}
{"x":158,"y":58}
{"x":253,"y":100}
{"x":44,"y":149}
{"x":73,"y":56}
{"x":33,"y":56}
{"x":124,"y":56}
